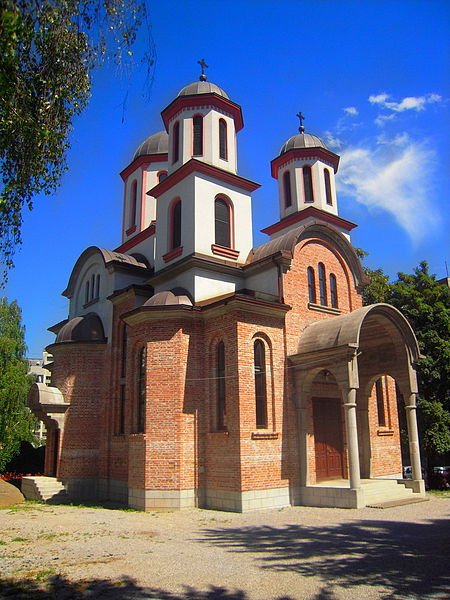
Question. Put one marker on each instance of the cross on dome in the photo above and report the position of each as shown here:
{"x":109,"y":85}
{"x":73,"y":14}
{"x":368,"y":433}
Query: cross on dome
{"x":301,"y":118}
{"x":204,"y":66}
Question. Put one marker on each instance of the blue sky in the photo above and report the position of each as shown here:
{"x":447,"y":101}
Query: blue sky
{"x":370,"y":77}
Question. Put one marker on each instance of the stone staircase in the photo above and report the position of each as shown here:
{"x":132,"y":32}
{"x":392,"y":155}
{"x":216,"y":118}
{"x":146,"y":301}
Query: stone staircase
{"x":44,"y":489}
{"x":381,"y":493}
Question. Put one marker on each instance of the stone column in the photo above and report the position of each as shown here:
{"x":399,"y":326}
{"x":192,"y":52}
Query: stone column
{"x":414,"y":452}
{"x":352,"y":439}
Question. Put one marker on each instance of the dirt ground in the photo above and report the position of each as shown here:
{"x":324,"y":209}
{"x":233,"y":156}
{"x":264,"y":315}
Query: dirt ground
{"x":294,"y":553}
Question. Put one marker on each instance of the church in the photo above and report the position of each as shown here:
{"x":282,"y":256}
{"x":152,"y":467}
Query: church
{"x":197,"y":370}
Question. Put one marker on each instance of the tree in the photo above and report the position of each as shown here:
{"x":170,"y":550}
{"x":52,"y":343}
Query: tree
{"x":48,"y":49}
{"x":16,"y":420}
{"x":425,"y":302}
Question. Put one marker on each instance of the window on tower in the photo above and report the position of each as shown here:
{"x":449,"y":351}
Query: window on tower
{"x":198,"y":135}
{"x":176,"y":142}
{"x":142,"y":390}
{"x":221,"y":406}
{"x":175,"y":236}
{"x":260,"y":384}
{"x":133,"y":204}
{"x":161,"y":176}
{"x":222,"y":222}
{"x":333,"y":291}
{"x":322,"y":285}
{"x":307,"y":184}
{"x":328,"y":196}
{"x":223,"y":141}
{"x":380,"y":403}
{"x":287,"y":189}
{"x":312,"y":285}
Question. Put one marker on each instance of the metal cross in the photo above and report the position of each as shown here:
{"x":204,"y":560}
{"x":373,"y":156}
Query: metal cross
{"x":204,"y":66}
{"x":301,"y":118}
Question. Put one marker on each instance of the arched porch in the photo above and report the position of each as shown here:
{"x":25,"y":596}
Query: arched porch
{"x":336,"y":366}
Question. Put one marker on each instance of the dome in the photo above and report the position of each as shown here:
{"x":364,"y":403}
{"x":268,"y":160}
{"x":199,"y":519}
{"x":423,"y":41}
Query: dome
{"x":202,"y":87}
{"x":158,"y":143}
{"x":302,"y":140}
{"x":88,"y":328}
{"x":169,"y":299}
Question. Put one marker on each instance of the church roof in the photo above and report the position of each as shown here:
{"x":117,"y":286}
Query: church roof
{"x":158,"y":143}
{"x":302,"y":140}
{"x":87,"y":328}
{"x":202,"y":87}
{"x":169,"y":298}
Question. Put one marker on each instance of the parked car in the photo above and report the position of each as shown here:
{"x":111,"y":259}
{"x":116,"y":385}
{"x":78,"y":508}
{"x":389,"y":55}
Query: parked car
{"x":440,"y":478}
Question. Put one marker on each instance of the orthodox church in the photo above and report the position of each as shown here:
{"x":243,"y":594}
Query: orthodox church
{"x":197,"y":370}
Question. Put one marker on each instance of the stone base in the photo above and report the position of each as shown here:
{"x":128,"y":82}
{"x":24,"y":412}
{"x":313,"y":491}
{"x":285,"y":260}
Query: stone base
{"x":416,"y":485}
{"x":247,"y":501}
{"x":161,"y":499}
{"x":332,"y":497}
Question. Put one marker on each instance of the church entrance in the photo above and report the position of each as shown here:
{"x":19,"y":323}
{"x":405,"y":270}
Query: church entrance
{"x":328,"y":440}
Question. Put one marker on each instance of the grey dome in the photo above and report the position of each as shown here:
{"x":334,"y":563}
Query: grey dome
{"x":88,"y":328}
{"x":158,"y":143}
{"x":168,"y":298}
{"x":302,"y":140}
{"x":202,"y":87}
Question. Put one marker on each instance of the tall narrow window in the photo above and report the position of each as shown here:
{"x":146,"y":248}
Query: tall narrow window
{"x":86,"y":296}
{"x":328,"y":196}
{"x":176,"y":225}
{"x":312,"y":285}
{"x":222,"y":223}
{"x":123,"y":351}
{"x":260,"y":384}
{"x":287,"y":189}
{"x":92,"y":286}
{"x":221,"y":406}
{"x":307,"y":184}
{"x":333,"y":291}
{"x":322,"y":285}
{"x":133,"y":204}
{"x":198,"y":135}
{"x":380,"y":403}
{"x":176,"y":142}
{"x":142,"y":390}
{"x":120,"y":427}
{"x":223,"y":141}
{"x":97,"y":286}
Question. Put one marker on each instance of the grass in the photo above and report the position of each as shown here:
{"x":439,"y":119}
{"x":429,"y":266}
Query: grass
{"x":20,"y":539}
{"x":440,"y":493}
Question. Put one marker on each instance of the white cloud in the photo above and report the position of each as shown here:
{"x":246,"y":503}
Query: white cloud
{"x":408,"y":103}
{"x":352,"y":111}
{"x":383,"y":119}
{"x":398,"y":183}
{"x":401,"y":139}
{"x":332,"y":140}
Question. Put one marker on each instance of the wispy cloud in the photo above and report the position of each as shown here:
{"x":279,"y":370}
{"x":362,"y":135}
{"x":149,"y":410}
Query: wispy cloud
{"x":352,"y":111}
{"x":401,"y":139}
{"x":409,"y":103}
{"x":397,"y":183}
{"x":332,"y":141}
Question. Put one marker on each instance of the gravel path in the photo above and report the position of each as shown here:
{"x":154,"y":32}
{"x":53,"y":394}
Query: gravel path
{"x":290,"y":554}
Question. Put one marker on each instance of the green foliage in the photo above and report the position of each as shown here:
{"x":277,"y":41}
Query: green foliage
{"x":426,"y":305}
{"x":16,"y":421}
{"x":48,"y":49}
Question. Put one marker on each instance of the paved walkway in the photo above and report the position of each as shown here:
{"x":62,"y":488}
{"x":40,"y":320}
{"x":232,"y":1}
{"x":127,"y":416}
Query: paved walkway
{"x":299,"y":553}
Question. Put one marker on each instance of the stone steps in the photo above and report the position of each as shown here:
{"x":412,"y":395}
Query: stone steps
{"x":44,"y":489}
{"x":377,"y":491}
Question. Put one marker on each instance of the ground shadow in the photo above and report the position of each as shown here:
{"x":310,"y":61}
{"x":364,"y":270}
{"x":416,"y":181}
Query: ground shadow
{"x":406,"y":559}
{"x":60,"y":588}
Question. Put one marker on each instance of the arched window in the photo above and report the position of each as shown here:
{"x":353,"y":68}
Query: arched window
{"x":333,"y":291}
{"x":287,"y":189}
{"x":220,"y":390}
{"x":329,"y":197}
{"x":176,"y":225}
{"x":312,"y":285}
{"x":223,"y":141}
{"x":161,"y":176}
{"x":307,"y":184}
{"x":133,"y":204}
{"x":222,"y":222}
{"x":260,"y":384}
{"x":197,"y":122}
{"x":92,"y":286}
{"x":380,"y":403}
{"x":322,"y":285}
{"x":142,"y":390}
{"x":176,"y":142}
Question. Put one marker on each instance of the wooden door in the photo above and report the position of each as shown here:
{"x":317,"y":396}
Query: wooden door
{"x":328,"y":438}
